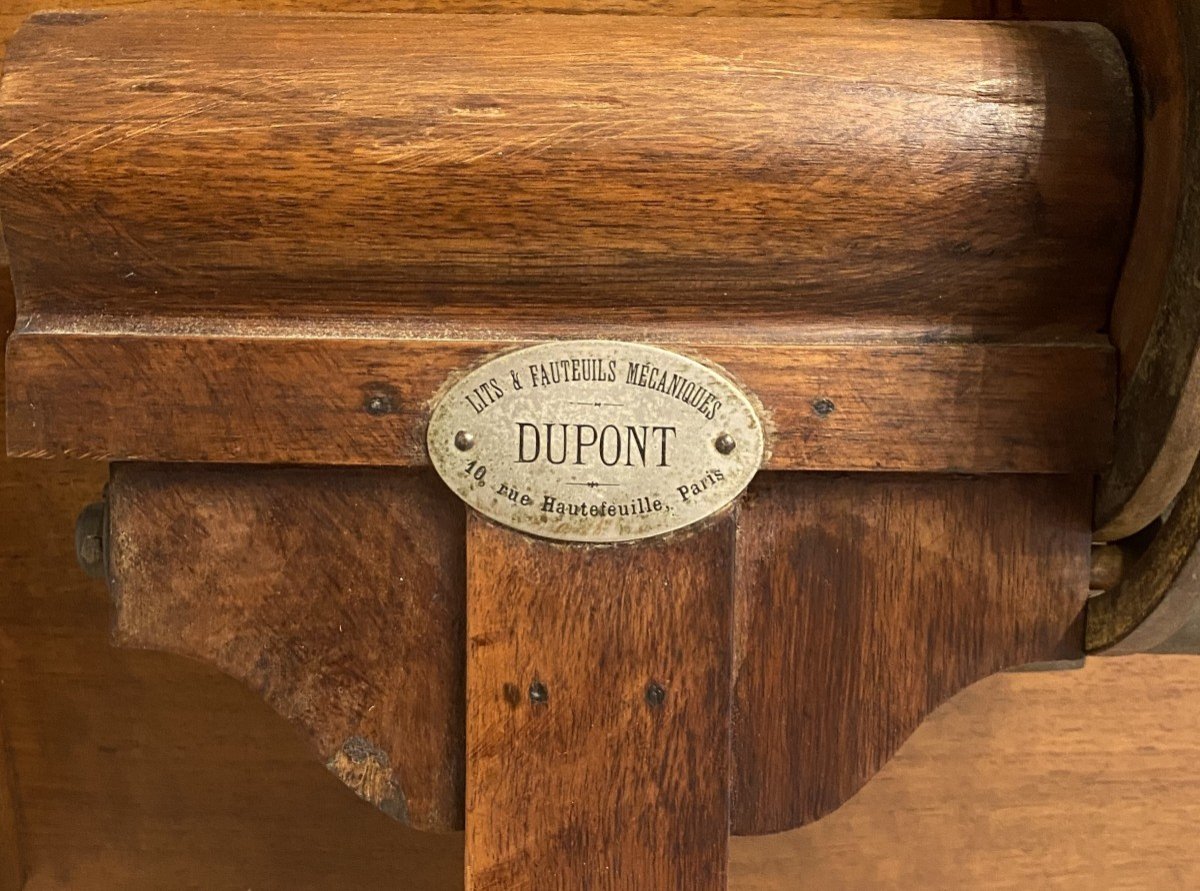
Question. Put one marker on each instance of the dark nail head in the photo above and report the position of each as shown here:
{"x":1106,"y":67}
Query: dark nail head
{"x":655,"y":694}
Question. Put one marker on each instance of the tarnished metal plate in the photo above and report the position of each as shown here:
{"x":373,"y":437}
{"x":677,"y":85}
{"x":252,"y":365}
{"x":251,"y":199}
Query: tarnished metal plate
{"x":595,"y":441}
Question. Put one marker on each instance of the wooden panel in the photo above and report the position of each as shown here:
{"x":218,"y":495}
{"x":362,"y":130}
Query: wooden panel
{"x":955,"y":178}
{"x":602,"y":785}
{"x":1083,"y":779}
{"x":337,"y":595}
{"x":12,"y":859}
{"x":863,"y":603}
{"x":145,"y":772}
{"x":930,"y":407}
{"x":15,"y":11}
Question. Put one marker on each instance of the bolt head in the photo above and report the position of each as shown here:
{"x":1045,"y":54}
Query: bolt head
{"x":725,"y":444}
{"x":823,"y":407}
{"x":464,"y":441}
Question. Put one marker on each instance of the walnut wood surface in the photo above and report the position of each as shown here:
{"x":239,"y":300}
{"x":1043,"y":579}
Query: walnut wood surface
{"x":1155,"y":605}
{"x":950,"y":177}
{"x":338,"y":597}
{"x":1156,"y":317}
{"x":143,"y":772}
{"x":864,"y":602}
{"x":599,"y":786}
{"x":1155,"y":321}
{"x":925,"y":407}
{"x":1155,"y":34}
{"x":127,"y":758}
{"x":12,"y":858}
{"x":15,"y":11}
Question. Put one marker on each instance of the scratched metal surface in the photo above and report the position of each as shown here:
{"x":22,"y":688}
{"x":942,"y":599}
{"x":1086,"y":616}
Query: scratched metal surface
{"x":595,"y":441}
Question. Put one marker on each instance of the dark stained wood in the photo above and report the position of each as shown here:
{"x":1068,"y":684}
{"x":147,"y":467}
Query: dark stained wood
{"x":182,"y":777}
{"x":1155,"y":36}
{"x":941,"y":178}
{"x":865,"y":602}
{"x":1155,"y":606}
{"x":142,"y":772}
{"x":919,"y":407}
{"x":598,"y":787}
{"x":337,"y":595}
{"x":1156,"y":314}
{"x":12,"y":858}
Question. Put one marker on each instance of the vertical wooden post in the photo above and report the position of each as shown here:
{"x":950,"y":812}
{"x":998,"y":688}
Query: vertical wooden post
{"x":12,"y":863}
{"x":598,"y":695}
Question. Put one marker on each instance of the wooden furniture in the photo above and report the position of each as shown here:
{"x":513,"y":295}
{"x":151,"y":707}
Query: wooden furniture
{"x":277,"y":261}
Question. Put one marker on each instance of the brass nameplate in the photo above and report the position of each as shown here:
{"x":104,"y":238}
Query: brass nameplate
{"x":595,"y":441}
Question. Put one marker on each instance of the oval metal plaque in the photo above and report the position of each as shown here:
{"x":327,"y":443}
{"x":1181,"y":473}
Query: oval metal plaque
{"x":595,"y":441}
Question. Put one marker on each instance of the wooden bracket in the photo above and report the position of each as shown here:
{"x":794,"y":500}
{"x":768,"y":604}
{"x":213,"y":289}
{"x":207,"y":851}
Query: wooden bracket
{"x":644,"y":701}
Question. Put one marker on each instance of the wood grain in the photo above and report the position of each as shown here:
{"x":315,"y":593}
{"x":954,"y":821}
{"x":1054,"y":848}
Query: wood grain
{"x":1154,"y":35}
{"x":601,"y":786}
{"x":864,"y":602}
{"x":1067,"y":780}
{"x":336,"y":595}
{"x":1082,"y":779}
{"x":1155,"y":606}
{"x":1158,"y":423}
{"x":1155,"y":323}
{"x":16,"y":10}
{"x":144,"y":772}
{"x":944,"y":177}
{"x":12,"y":858}
{"x":923,"y":407}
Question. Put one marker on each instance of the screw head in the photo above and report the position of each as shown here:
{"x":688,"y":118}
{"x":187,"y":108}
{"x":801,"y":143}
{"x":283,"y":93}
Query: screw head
{"x":538,"y":694}
{"x":464,"y":441}
{"x":725,"y":444}
{"x":656,"y":695}
{"x":377,"y":404}
{"x":823,"y":407}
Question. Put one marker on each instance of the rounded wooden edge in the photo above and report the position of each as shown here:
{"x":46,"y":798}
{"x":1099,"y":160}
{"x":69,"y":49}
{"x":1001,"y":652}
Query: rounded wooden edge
{"x":1158,"y":419}
{"x":1158,"y":596}
{"x":1155,"y":472}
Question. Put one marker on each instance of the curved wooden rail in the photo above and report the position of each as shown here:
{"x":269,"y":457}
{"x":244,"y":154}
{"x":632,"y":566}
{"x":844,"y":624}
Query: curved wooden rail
{"x":1154,"y":606}
{"x":1155,"y":320}
{"x":1156,"y":315}
{"x":1156,"y":325}
{"x":1158,"y":423}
